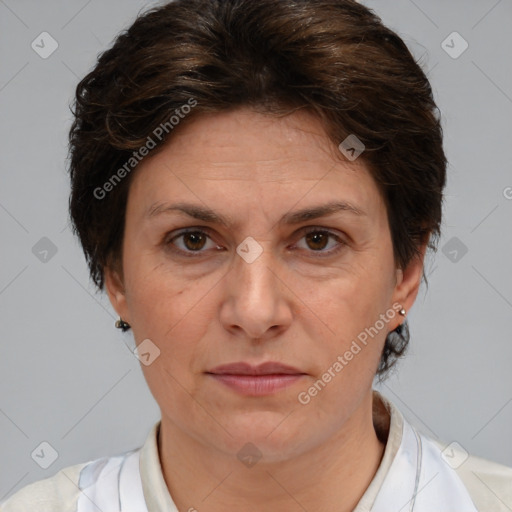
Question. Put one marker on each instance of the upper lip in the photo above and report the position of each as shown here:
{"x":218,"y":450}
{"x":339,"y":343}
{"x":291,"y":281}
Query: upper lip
{"x":242,"y":368}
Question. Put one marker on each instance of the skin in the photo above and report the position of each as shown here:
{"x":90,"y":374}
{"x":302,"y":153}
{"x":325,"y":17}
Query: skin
{"x":296,"y":304}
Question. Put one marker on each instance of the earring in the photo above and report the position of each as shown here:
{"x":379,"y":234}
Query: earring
{"x":121,"y":324}
{"x":399,"y":327}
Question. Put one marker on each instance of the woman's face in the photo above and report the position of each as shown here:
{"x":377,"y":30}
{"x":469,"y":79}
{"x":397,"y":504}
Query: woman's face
{"x":258,"y":279}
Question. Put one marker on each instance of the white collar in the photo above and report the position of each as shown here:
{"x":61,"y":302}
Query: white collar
{"x":419,"y":480}
{"x":112,"y":484}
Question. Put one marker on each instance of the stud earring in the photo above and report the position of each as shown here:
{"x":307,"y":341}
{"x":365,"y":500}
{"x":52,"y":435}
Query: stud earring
{"x":402,"y":312}
{"x":121,"y":324}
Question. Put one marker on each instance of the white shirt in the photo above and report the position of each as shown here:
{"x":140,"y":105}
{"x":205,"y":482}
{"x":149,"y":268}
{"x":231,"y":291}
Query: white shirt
{"x":415,"y":475}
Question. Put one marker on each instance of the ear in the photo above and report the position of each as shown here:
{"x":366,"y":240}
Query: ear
{"x":114,"y":285}
{"x":408,"y":282}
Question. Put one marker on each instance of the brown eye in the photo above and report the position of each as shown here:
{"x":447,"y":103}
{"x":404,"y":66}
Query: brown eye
{"x":194,"y":241}
{"x":317,"y":240}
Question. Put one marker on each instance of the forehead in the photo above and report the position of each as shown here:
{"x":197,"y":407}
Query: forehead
{"x":228,"y":139}
{"x":259,"y":156}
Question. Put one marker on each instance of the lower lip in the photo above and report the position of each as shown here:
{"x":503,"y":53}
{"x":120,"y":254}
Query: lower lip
{"x":257,"y":385}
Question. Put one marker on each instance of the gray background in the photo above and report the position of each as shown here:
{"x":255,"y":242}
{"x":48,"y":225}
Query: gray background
{"x":67,"y":376}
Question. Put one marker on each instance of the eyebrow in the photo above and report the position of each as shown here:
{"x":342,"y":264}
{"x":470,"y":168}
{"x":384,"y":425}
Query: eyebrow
{"x":207,"y":215}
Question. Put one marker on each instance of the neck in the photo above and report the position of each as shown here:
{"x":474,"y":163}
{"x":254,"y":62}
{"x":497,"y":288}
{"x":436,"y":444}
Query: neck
{"x":332,"y":477}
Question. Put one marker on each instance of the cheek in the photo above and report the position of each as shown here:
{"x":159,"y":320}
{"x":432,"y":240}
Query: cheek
{"x":163,"y":311}
{"x":351,"y":306}
{"x":155,"y":297}
{"x":351,"y":351}
{"x":350,"y":302}
{"x":172,"y":312}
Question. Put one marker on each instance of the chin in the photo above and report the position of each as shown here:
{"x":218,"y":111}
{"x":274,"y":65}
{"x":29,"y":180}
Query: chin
{"x":265,"y":433}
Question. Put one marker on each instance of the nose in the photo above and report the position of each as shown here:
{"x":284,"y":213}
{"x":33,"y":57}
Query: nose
{"x":257,"y":302}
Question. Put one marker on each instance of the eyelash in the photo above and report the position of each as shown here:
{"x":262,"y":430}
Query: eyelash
{"x":313,"y":229}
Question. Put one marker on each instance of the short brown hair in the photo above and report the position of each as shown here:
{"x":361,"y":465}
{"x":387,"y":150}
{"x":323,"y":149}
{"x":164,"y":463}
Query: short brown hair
{"x":332,"y":57}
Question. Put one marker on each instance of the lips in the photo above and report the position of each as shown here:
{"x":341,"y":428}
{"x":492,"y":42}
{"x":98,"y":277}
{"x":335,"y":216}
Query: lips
{"x":268,"y":368}
{"x":256,"y":381}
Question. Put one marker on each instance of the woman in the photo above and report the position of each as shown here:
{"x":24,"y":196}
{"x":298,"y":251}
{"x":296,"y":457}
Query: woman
{"x":255,"y":186}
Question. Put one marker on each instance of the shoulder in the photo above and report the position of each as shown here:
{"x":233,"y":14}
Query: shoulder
{"x":488,"y":483}
{"x":99,"y":484}
{"x":58,"y":492}
{"x":103,"y":482}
